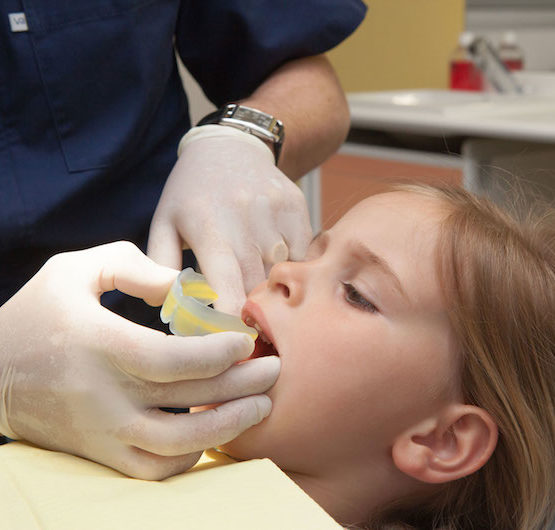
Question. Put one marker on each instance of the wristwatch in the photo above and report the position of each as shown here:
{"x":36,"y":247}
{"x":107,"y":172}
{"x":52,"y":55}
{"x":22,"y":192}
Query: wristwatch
{"x":252,"y":121}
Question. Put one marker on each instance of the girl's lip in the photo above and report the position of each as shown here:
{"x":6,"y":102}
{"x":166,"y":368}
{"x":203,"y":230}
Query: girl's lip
{"x":252,"y":309}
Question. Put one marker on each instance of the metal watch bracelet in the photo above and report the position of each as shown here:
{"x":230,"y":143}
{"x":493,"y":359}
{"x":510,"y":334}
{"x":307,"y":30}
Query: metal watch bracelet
{"x":252,"y":121}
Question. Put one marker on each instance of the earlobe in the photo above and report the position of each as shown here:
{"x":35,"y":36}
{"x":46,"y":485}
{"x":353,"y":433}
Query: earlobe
{"x":455,"y":443}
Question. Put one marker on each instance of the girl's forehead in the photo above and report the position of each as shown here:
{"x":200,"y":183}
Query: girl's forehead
{"x":412,"y":199}
{"x":396,"y":209}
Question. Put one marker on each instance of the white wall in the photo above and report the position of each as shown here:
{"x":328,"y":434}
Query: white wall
{"x":534,"y":27}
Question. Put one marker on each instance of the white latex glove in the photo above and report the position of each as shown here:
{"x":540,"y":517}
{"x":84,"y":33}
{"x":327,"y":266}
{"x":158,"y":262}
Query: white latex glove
{"x":227,"y":201}
{"x":78,"y":378}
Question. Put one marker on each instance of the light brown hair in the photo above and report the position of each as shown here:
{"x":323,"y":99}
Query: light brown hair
{"x":498,"y":276}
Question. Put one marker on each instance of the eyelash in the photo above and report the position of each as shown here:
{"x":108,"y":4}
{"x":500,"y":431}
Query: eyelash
{"x":353,"y":297}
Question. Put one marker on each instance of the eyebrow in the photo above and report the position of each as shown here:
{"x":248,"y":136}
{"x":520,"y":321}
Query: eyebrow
{"x":361,"y":252}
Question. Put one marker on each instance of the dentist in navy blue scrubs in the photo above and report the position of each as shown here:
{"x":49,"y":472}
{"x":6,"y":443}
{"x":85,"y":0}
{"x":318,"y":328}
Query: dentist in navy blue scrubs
{"x":92,"y":113}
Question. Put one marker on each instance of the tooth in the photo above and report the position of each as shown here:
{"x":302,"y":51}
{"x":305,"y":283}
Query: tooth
{"x":257,"y":327}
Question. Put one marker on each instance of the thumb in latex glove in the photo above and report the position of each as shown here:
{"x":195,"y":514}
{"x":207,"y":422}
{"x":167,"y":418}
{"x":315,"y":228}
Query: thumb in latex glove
{"x":227,"y":201}
{"x":78,"y":378}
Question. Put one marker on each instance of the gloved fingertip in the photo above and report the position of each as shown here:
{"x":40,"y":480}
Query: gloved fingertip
{"x":244,"y":345}
{"x":263,"y":406}
{"x":297,"y":250}
{"x":272,"y":366}
{"x":279,"y":252}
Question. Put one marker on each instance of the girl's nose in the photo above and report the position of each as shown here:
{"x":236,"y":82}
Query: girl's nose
{"x":288,"y":279}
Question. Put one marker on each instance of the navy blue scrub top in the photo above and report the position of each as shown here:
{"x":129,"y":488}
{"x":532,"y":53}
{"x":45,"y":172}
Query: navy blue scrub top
{"x":92,"y":107}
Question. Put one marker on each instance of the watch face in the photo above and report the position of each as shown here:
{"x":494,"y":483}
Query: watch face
{"x":243,"y":113}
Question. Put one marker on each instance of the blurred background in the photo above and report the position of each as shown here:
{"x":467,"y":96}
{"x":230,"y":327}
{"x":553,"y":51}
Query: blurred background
{"x":427,"y":102}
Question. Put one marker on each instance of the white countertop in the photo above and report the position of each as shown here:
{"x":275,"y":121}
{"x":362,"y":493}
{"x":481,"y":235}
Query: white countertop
{"x":444,"y":113}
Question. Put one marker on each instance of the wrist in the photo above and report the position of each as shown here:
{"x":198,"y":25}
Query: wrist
{"x":252,"y":121}
{"x":218,"y":131}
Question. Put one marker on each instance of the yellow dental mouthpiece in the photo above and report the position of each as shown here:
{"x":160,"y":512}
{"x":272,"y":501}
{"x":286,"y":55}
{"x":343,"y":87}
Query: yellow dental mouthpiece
{"x":186,"y":309}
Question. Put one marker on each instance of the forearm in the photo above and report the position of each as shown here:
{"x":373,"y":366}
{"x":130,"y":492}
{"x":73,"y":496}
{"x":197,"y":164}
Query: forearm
{"x":306,"y":96}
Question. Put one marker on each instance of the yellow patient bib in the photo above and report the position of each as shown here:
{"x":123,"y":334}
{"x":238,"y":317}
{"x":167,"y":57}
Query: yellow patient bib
{"x":47,"y":490}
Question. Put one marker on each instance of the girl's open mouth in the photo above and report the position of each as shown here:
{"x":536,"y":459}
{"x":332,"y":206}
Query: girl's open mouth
{"x":252,"y":316}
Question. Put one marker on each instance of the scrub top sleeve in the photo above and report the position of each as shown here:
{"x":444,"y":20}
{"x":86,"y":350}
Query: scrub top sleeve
{"x":231,"y":47}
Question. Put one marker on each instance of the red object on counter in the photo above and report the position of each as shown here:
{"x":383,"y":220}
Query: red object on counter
{"x":510,"y":52}
{"x":464,"y":74}
{"x":514,"y":64}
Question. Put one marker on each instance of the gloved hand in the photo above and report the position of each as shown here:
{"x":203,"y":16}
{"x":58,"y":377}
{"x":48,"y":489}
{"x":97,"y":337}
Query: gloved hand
{"x":227,"y":201}
{"x":78,"y":378}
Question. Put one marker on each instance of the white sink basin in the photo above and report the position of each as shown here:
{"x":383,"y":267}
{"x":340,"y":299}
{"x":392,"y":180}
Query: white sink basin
{"x":453,"y":102}
{"x":537,"y":83}
{"x":417,"y":100}
{"x":526,"y":116}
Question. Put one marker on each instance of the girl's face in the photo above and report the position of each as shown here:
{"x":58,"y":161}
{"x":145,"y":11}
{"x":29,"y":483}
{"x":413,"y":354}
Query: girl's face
{"x":362,"y":333}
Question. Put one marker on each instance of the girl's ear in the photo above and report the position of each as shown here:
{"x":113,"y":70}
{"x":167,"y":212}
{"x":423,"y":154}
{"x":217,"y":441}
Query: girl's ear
{"x":453,"y":444}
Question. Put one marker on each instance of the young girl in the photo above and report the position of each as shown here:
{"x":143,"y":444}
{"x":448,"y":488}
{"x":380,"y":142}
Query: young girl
{"x":417,"y":380}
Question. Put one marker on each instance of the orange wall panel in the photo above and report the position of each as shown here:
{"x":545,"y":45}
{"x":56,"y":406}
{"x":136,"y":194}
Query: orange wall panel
{"x":347,"y":179}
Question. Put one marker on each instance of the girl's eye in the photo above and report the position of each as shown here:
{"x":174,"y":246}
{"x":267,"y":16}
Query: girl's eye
{"x":354,"y":298}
